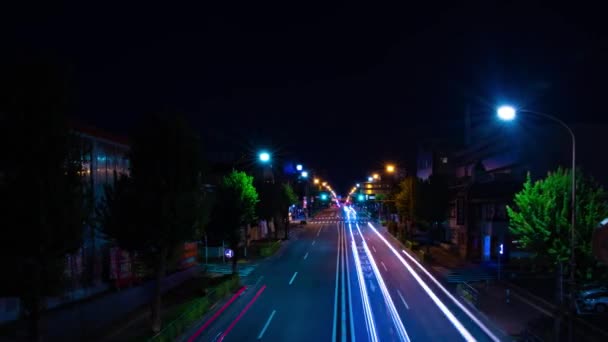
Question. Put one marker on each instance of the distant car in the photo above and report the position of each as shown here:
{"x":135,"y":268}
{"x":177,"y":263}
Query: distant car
{"x":594,"y":301}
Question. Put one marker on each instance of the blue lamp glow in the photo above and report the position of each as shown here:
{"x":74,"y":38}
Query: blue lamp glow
{"x":506,"y":113}
{"x":304,"y":174}
{"x":299,"y":167}
{"x":264,"y":157}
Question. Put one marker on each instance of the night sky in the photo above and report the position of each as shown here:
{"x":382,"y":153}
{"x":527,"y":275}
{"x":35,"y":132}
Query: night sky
{"x":340,"y":86}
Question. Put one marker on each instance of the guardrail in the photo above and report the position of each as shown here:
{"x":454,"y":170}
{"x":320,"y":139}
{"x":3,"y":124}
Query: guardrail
{"x":195,"y":311}
{"x":468,"y":293}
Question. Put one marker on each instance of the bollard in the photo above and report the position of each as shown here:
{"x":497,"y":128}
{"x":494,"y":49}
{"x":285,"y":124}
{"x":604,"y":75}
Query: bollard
{"x":508,"y":295}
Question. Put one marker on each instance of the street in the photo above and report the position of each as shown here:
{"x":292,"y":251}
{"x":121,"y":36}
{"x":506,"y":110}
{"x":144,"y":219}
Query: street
{"x":341,"y":280}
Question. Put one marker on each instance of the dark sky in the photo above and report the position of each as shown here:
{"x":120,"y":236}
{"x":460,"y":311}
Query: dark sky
{"x":341,"y":86}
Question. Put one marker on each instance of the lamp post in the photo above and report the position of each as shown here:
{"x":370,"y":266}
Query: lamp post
{"x":508,"y":113}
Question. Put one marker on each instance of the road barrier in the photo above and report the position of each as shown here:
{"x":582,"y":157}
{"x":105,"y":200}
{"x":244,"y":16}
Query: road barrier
{"x":468,"y":293}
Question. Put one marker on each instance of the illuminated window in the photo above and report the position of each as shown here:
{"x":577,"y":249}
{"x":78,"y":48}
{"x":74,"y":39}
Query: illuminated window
{"x":444,"y":160}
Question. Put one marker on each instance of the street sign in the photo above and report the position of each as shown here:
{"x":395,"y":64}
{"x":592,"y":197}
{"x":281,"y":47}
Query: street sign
{"x":228,"y":253}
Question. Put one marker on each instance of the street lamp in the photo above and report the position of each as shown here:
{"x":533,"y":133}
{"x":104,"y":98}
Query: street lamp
{"x":390,"y":168}
{"x":358,"y":185}
{"x":370,"y":179}
{"x":299,"y":167}
{"x":264,"y":157}
{"x":304,"y":174}
{"x":316,"y":181}
{"x":508,"y":113}
{"x":376,"y":176}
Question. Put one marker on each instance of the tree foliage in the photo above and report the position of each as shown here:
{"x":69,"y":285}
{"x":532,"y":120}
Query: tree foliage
{"x":235,"y":207}
{"x":43,"y":200}
{"x":540,"y":218}
{"x":158,"y":206}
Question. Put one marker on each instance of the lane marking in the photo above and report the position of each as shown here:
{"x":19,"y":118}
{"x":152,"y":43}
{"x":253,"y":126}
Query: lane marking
{"x":258,"y":281}
{"x":313,"y":242}
{"x":293,"y":278}
{"x":343,"y":318}
{"x":387,"y":297}
{"x":350,"y":299}
{"x":216,"y":315}
{"x":335,"y":327}
{"x":403,"y":299}
{"x":374,"y":248}
{"x":319,"y":232}
{"x":383,"y":265}
{"x":449,"y":315}
{"x":242,"y":313}
{"x":306,"y":256}
{"x":369,"y":317}
{"x":266,"y":325}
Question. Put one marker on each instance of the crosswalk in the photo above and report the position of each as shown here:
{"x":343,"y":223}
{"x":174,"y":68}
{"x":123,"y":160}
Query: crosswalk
{"x":244,"y":270}
{"x":335,"y":220}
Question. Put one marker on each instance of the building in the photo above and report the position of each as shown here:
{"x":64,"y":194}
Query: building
{"x":486,"y":173}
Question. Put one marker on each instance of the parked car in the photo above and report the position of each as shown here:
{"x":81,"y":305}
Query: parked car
{"x":589,"y":289}
{"x":594,"y":300}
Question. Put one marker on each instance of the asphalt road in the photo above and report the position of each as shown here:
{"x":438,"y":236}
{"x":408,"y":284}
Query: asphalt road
{"x":340,"y":280}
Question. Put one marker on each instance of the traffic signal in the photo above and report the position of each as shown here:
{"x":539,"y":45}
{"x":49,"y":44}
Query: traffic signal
{"x":323,"y":197}
{"x":360,"y":197}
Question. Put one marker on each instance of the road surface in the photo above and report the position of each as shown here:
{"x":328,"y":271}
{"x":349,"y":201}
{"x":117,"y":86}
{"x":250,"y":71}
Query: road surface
{"x":341,"y":279}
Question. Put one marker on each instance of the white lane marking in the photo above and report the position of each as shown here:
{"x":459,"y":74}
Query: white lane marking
{"x":387,"y":297}
{"x":293,"y":278}
{"x":374,"y":248}
{"x":266,"y":325}
{"x":343,"y":318}
{"x":313,"y":242}
{"x":350,"y":300}
{"x":369,"y":317}
{"x":402,"y":299}
{"x":319,"y":232}
{"x":371,"y":286}
{"x":258,"y":281}
{"x":306,"y":256}
{"x":334,"y":326}
{"x":383,"y":265}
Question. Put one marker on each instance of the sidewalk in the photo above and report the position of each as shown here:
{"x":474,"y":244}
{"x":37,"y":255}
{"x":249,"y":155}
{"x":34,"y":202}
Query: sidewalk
{"x":83,"y":321}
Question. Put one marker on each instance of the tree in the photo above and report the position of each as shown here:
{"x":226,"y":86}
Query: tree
{"x":157,"y":207}
{"x":425,"y":202}
{"x":540,"y":219}
{"x":235,"y":207}
{"x":288,"y":198}
{"x":43,"y":202}
{"x":275,"y":199}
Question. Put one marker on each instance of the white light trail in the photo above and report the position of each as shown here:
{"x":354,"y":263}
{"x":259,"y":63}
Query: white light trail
{"x":461,"y":329}
{"x":387,"y":297}
{"x":367,"y":310}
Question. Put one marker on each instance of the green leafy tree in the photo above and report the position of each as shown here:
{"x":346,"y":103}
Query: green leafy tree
{"x":158,"y":206}
{"x":288,"y":198}
{"x":540,"y":219}
{"x":43,"y":201}
{"x":235,"y":207}
{"x":404,"y":202}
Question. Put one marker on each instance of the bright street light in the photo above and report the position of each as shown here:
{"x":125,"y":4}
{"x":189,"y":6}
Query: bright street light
{"x":304,"y":174}
{"x":358,"y":185}
{"x":506,"y":113}
{"x":390,"y":168}
{"x":316,"y":181}
{"x":376,"y":176}
{"x":324,"y":183}
{"x":370,"y":179}
{"x":264,"y":157}
{"x":299,"y":167}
